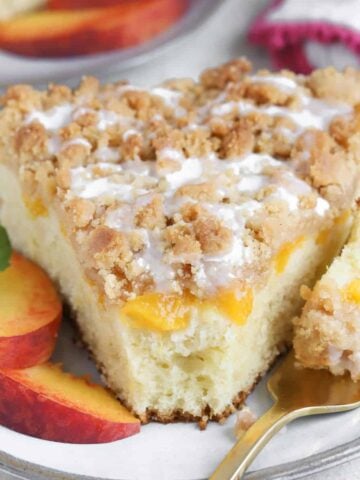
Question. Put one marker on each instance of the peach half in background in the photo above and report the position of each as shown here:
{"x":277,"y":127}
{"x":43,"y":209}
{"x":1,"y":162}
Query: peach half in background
{"x":64,"y":31}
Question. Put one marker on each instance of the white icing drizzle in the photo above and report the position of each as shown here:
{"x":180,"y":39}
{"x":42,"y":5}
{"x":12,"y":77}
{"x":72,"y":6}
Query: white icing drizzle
{"x":153,"y":262}
{"x":77,"y":141}
{"x":170,"y":97}
{"x":133,"y":183}
{"x":85,"y":186}
{"x":252,"y":183}
{"x":191,"y":169}
{"x":314,"y":114}
{"x":107,"y":154}
{"x":291,"y":199}
{"x":129,"y":133}
{"x":212,"y":270}
{"x":322,"y":206}
{"x":217,"y":270}
{"x":52,"y":119}
{"x":254,"y":163}
{"x":55,"y":145}
{"x":284,"y":83}
{"x":106,"y":119}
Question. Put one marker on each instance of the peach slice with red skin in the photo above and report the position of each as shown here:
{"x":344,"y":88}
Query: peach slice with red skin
{"x":62,"y":33}
{"x":47,"y":403}
{"x":30,"y":314}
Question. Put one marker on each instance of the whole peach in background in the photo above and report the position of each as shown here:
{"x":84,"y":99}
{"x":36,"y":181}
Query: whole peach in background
{"x":64,"y":32}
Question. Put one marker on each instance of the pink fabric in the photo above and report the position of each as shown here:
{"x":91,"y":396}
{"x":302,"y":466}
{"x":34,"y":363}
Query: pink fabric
{"x":285,"y":40}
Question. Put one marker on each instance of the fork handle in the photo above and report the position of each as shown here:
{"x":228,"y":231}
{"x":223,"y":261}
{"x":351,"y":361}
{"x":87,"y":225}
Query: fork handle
{"x":252,"y":442}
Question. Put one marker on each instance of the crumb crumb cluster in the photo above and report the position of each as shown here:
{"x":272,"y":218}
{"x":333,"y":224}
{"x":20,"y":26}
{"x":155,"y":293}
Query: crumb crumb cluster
{"x":186,"y":186}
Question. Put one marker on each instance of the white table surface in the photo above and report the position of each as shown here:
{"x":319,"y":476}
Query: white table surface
{"x":219,"y":39}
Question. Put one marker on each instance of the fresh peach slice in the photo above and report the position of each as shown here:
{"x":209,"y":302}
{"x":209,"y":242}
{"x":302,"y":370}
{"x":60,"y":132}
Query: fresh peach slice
{"x":62,"y":33}
{"x":47,"y":403}
{"x":30,"y":314}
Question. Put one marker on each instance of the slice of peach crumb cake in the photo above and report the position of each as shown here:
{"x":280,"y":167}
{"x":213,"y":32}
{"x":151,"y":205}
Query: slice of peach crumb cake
{"x":180,"y":221}
{"x":327,"y":335}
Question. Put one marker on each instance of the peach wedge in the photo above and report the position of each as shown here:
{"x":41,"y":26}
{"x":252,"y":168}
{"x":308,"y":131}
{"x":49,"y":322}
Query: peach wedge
{"x":47,"y":403}
{"x":30,"y":314}
{"x":61,"y":33}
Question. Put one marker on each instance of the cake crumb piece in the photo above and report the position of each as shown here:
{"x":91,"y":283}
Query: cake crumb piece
{"x":202,"y":423}
{"x":245,"y":418}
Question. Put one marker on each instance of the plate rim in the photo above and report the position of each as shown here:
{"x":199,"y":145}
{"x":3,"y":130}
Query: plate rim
{"x":19,"y":469}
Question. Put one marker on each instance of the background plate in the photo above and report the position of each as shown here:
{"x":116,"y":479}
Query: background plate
{"x":178,"y":451}
{"x":15,"y":69}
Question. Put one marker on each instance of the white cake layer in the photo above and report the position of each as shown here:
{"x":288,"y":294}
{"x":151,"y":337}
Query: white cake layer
{"x":199,"y":369}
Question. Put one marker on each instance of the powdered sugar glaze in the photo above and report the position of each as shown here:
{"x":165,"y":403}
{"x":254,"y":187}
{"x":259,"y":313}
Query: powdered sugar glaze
{"x":237,"y":181}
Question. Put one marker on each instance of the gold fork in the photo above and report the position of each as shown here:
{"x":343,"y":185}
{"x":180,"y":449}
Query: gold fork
{"x":297,"y":392}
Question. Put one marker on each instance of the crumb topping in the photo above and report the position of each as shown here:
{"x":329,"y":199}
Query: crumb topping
{"x":185,"y":185}
{"x":327,"y":332}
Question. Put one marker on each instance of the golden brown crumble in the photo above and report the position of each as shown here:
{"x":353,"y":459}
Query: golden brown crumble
{"x":327,"y":332}
{"x":131,"y":146}
{"x":238,"y":141}
{"x":229,"y":73}
{"x":334,"y":85}
{"x":182,"y":240}
{"x":151,"y":215}
{"x":212,"y":235}
{"x":82,"y":211}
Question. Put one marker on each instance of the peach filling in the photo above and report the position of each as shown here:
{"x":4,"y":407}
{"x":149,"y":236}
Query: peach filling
{"x":324,"y":235}
{"x":352,"y":291}
{"x":35,"y":207}
{"x":235,"y":305}
{"x":154,"y":311}
{"x":283,"y":256}
{"x":166,"y":313}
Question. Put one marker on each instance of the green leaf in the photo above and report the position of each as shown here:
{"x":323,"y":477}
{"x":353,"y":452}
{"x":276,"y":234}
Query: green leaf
{"x":5,"y":249}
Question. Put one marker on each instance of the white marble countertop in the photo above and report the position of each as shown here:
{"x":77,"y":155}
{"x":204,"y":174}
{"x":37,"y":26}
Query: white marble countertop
{"x":222,"y":37}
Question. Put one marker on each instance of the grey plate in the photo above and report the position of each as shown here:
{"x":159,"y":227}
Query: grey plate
{"x":76,"y":360}
{"x":15,"y":69}
{"x":11,"y":468}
